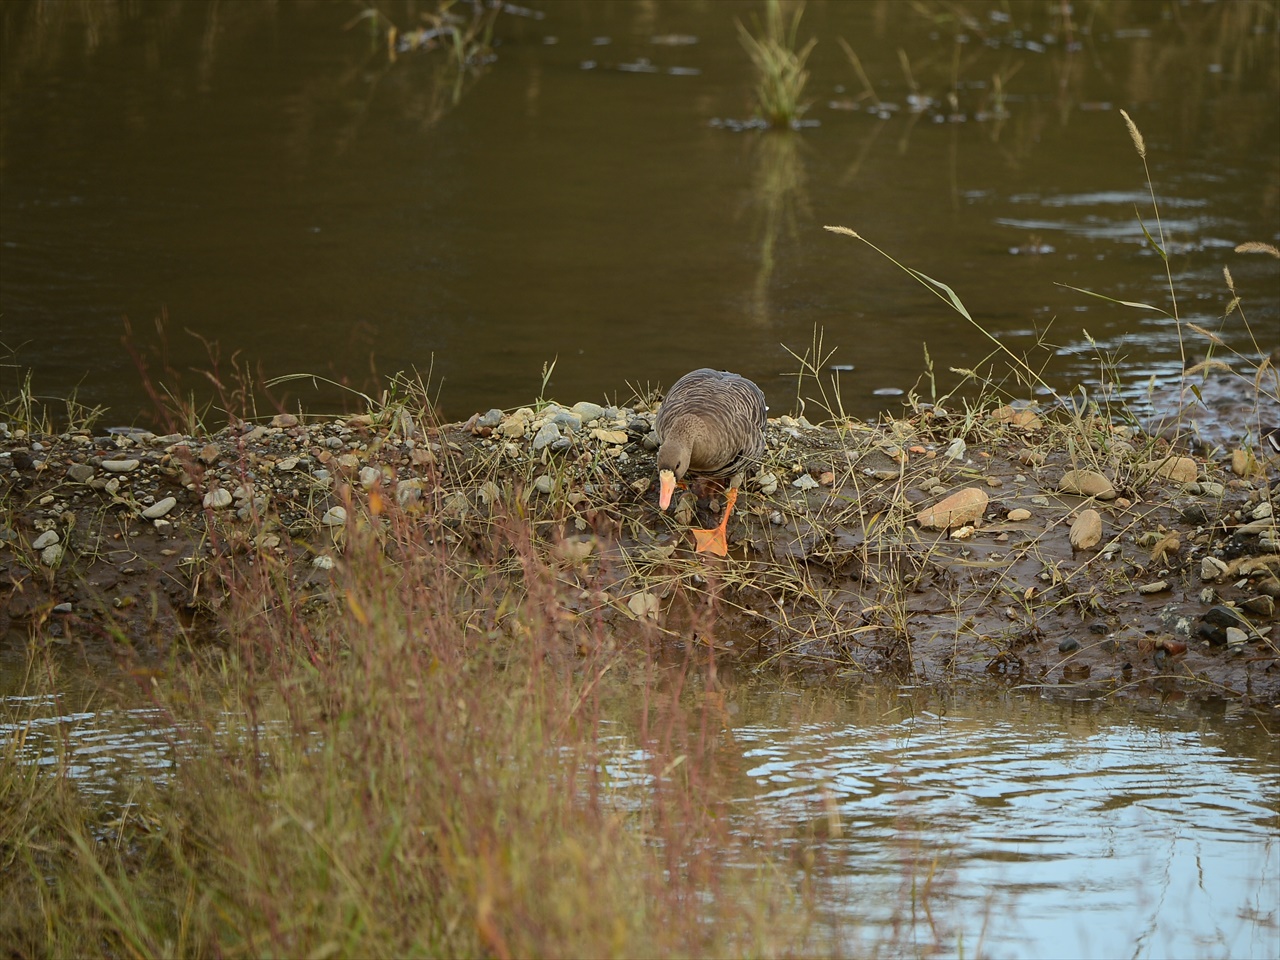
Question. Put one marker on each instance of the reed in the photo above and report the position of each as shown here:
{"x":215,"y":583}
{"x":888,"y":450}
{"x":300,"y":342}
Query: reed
{"x":779,"y":64}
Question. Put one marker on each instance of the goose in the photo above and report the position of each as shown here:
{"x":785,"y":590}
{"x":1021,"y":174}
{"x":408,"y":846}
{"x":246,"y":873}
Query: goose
{"x":711,"y":424}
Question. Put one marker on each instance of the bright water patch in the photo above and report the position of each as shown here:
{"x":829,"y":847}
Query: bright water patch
{"x":1036,"y":834}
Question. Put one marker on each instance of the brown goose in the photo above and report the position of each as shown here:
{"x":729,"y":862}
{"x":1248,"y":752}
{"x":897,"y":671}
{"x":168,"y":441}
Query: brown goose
{"x":711,"y":424}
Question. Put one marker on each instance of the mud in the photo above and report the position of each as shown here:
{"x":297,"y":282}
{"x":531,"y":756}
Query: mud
{"x":829,"y":569}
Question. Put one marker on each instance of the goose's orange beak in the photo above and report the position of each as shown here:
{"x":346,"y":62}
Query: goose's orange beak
{"x":666,"y":487}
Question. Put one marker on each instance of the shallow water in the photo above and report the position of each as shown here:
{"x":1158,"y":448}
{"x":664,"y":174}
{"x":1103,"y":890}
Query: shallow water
{"x":1012,"y":825}
{"x":1004,"y":824}
{"x":265,"y":177}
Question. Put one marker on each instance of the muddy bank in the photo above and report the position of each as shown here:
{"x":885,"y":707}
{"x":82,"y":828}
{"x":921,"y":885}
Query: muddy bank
{"x":1075,"y":553}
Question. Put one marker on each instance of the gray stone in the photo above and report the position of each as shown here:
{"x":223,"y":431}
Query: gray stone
{"x":490,"y":419}
{"x":159,"y":509}
{"x":564,"y":443}
{"x":588,"y":411}
{"x":334,"y":517}
{"x":80,"y":472}
{"x":120,"y":466}
{"x":218,"y":499}
{"x":547,"y":434}
{"x":46,"y":539}
{"x":51,"y":555}
{"x":570,"y":421}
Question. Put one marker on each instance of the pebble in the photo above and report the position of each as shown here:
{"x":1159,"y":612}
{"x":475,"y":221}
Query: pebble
{"x":287,"y":464}
{"x":1177,"y":469}
{"x":284,"y":420}
{"x":1235,"y":637}
{"x":544,"y":484}
{"x":1086,"y":530}
{"x":547,"y":434}
{"x":1087,"y":483}
{"x":570,"y":421}
{"x":588,"y":411}
{"x":490,"y":419}
{"x":804,"y":482}
{"x":208,"y":454}
{"x":1211,"y":568}
{"x":409,"y":491}
{"x":1019,"y":514}
{"x":334,"y":517}
{"x":1207,"y":488}
{"x":80,"y":472}
{"x":46,"y":539}
{"x":323,"y":563}
{"x":610,"y":436}
{"x":369,"y":476}
{"x":1155,"y":587}
{"x":159,"y":509}
{"x":1068,"y":645}
{"x":1261,"y":512}
{"x":956,"y":449}
{"x":963,"y":507}
{"x":217,"y":499}
{"x":51,"y":555}
{"x":62,"y":608}
{"x":767,"y":482}
{"x":1263,"y":606}
{"x":120,"y":466}
{"x":515,"y":427}
{"x":564,"y":443}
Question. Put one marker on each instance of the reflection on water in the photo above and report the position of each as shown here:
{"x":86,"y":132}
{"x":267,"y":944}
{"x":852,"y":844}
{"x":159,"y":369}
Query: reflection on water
{"x":275,"y":180}
{"x":1007,"y":826}
{"x":1016,"y":828}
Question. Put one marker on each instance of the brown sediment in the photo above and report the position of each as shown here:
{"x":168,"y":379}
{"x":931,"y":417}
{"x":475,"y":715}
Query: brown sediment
{"x":830,"y":567}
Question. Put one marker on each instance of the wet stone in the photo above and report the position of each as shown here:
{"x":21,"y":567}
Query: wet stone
{"x":1087,"y":483}
{"x":1069,"y":645}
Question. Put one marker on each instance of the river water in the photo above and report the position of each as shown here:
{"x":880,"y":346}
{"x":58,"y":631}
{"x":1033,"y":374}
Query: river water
{"x":266,"y":178}
{"x":996,"y":824}
{"x":282,"y":192}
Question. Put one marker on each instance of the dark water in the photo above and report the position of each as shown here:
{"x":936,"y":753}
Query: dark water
{"x":274,"y":183}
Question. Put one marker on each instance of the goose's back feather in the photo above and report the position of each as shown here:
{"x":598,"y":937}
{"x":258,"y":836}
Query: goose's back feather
{"x":720,"y":415}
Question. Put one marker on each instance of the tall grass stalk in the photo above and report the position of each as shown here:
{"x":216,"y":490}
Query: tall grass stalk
{"x":406,"y":757}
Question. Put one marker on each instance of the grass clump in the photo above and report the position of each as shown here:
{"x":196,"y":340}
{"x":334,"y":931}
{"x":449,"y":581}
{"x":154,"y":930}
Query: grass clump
{"x":404,"y":759}
{"x":779,"y":64}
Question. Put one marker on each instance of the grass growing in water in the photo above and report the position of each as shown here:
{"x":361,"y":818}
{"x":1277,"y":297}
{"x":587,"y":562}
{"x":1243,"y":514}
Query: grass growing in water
{"x":779,"y":64}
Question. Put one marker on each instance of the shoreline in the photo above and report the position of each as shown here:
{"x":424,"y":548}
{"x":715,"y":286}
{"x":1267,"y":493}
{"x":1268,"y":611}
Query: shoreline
{"x":1164,"y":577}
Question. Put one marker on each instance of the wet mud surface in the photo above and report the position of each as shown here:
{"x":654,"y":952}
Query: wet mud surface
{"x":1076,"y":553}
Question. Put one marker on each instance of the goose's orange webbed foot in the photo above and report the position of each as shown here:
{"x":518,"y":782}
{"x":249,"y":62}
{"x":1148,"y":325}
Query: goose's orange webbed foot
{"x":716,"y":540}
